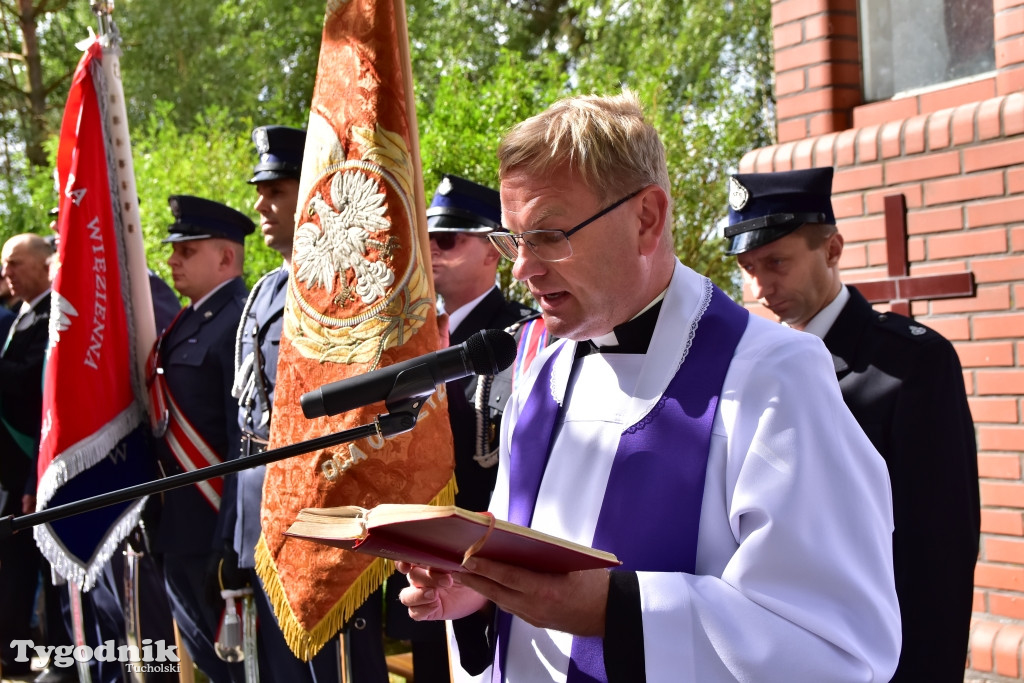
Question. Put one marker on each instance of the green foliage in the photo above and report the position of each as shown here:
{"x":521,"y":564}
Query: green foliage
{"x":199,"y":75}
{"x":212,"y":159}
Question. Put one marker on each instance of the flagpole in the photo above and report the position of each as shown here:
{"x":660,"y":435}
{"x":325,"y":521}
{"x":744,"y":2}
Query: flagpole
{"x":126,"y":194}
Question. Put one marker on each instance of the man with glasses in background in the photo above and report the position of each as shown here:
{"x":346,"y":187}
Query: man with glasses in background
{"x":709,"y":449}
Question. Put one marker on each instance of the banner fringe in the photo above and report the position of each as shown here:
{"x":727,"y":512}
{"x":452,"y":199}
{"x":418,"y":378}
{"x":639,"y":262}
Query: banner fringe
{"x":306,"y":643}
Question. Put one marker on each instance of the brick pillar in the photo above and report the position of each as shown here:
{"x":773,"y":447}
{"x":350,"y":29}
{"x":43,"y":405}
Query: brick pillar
{"x":1008,"y":23}
{"x":817,"y":66}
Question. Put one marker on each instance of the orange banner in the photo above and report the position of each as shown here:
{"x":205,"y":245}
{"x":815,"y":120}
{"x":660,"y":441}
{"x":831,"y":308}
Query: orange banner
{"x":360,"y":297}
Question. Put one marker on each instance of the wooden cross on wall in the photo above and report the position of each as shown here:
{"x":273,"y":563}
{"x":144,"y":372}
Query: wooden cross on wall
{"x":899,"y":289}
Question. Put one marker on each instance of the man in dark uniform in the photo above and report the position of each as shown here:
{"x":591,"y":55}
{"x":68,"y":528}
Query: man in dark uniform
{"x":25,"y":268}
{"x":465,"y":268}
{"x":195,"y":356}
{"x":903,"y":383}
{"x":276,"y":177}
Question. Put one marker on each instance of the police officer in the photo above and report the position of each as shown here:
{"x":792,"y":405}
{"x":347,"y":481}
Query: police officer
{"x":195,"y":357}
{"x":903,"y":383}
{"x":276,"y":178}
{"x":465,"y":267}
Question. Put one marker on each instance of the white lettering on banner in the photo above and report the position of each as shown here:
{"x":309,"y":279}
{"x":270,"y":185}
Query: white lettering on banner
{"x":99,"y":311}
{"x":340,"y":463}
{"x":64,"y":656}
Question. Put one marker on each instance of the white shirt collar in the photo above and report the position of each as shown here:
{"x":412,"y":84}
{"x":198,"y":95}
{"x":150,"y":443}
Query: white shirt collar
{"x":820,"y":324}
{"x":456,"y":317}
{"x":200,"y":302}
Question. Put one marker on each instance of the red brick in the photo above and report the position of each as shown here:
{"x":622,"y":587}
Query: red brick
{"x":804,"y":54}
{"x":963,"y":188}
{"x":913,"y":134}
{"x":990,"y":118}
{"x":943,"y":219}
{"x":814,"y":101}
{"x":1009,"y":52}
{"x":1007,"y":650}
{"x":791,"y":10}
{"x":747,"y":161}
{"x":887,"y":110}
{"x":938,"y":132}
{"x":998,"y":576}
{"x":854,"y":256}
{"x":967,"y":243}
{"x":789,"y":82}
{"x":963,"y":123}
{"x":985,"y":355}
{"x":982,"y":644}
{"x":1003,"y":605}
{"x":1017,"y":239}
{"x":953,"y":329}
{"x":997,"y":155}
{"x":790,"y":34}
{"x":992,"y":466}
{"x":998,"y":269}
{"x":1006,"y":522}
{"x":993,"y":298}
{"x":921,"y":267}
{"x":1001,"y":326}
{"x":833,"y":74}
{"x":947,"y":98}
{"x":912,"y":194}
{"x":802,"y":153}
{"x":1000,"y":382}
{"x":823,"y":149}
{"x":997,"y":212}
{"x":863,"y":229}
{"x":1004,"y":550}
{"x":922,"y":167}
{"x":891,"y":139}
{"x":783,"y":160}
{"x":1009,"y":23}
{"x":867,"y":144}
{"x":1015,"y":181}
{"x":1010,"y":80}
{"x":1013,"y":111}
{"x":848,"y":205}
{"x":1002,"y":438}
{"x":764,"y":163}
{"x":793,"y":129}
{"x":999,"y":6}
{"x":827,"y":122}
{"x":1000,"y":410}
{"x":857,"y":178}
{"x":831,"y":24}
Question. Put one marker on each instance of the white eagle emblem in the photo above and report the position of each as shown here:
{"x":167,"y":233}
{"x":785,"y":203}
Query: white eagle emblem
{"x":917,"y":330}
{"x":340,"y":242}
{"x":738,"y":195}
{"x":61,"y":313}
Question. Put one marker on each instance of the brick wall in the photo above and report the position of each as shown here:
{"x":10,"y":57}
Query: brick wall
{"x":957,"y":155}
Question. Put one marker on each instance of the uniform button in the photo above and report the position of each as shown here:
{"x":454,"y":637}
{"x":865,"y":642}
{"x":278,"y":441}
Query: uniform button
{"x":359,"y":623}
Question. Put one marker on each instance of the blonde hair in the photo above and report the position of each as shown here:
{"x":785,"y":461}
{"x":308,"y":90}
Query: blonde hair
{"x":606,"y":141}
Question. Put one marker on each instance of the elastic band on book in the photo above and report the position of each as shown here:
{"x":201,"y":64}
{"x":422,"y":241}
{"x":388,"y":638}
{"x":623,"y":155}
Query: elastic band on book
{"x":475,"y":548}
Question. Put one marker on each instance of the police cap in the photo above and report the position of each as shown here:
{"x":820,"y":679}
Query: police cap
{"x":460,"y":205}
{"x":196,"y":218}
{"x":280,"y":149}
{"x":764,"y":207}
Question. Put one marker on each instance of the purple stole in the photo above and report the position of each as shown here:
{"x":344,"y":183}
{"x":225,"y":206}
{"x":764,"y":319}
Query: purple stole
{"x":657,"y":475}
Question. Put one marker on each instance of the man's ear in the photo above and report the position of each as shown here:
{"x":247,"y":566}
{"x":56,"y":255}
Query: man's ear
{"x":834,"y":249}
{"x":653,"y":215}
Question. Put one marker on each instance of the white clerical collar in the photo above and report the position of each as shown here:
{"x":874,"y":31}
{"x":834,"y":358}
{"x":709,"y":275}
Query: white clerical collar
{"x":820,"y":324}
{"x":456,"y":317}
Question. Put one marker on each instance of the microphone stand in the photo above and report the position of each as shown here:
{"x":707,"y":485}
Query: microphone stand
{"x":405,"y":411}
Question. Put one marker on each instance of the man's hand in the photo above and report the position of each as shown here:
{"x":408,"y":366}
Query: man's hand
{"x":432,"y":595}
{"x":574,"y":603}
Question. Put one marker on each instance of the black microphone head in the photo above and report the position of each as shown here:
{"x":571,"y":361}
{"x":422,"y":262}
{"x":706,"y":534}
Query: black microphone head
{"x":490,"y":351}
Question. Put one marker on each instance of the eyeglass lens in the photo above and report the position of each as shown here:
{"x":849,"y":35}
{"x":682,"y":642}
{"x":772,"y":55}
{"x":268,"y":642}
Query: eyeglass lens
{"x":445,"y":240}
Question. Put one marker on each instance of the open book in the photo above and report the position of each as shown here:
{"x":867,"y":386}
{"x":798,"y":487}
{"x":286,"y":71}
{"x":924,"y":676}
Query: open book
{"x":441,"y":536}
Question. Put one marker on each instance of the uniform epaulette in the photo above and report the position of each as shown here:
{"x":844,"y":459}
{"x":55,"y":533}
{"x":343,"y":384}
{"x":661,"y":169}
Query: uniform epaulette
{"x":904,"y":327}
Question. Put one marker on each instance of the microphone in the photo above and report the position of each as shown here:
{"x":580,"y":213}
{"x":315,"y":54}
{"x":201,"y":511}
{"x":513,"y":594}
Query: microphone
{"x":487,"y":352}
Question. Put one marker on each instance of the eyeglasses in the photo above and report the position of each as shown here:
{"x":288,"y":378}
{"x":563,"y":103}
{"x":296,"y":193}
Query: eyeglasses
{"x":547,"y":245}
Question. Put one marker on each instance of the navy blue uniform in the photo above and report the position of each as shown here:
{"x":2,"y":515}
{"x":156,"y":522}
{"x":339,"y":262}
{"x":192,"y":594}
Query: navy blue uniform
{"x":260,"y":331}
{"x":904,"y":384}
{"x":197,"y":356}
{"x":21,"y":401}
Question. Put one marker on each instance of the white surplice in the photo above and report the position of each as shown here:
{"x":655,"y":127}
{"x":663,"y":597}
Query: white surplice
{"x":794,"y":574}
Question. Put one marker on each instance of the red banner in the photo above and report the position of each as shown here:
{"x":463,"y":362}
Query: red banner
{"x":91,"y":439}
{"x":360,"y":297}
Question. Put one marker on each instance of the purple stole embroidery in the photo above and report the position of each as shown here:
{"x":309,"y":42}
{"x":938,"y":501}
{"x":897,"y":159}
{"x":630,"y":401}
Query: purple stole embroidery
{"x":649,"y":460}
